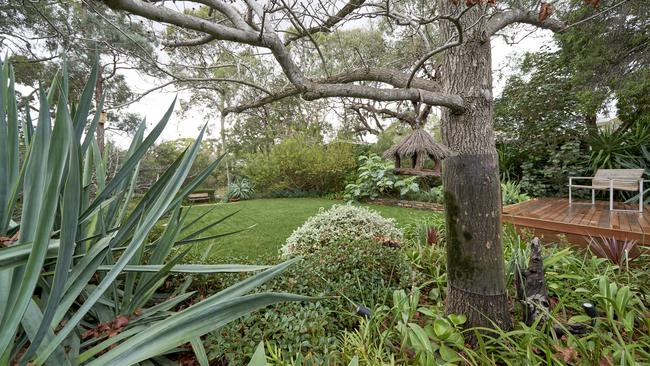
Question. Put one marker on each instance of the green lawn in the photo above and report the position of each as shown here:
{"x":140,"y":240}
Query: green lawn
{"x":274,"y":220}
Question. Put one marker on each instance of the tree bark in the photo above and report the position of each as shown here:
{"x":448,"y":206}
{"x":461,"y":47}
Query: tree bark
{"x":222,"y":120}
{"x":472,"y":192}
{"x":590,"y":121}
{"x":99,"y":90}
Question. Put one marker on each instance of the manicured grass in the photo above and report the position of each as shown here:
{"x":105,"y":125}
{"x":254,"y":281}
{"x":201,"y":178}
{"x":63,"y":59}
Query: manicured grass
{"x":274,"y":220}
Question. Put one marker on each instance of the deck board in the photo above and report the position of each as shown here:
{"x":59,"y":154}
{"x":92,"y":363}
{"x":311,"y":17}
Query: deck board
{"x":554,"y":216}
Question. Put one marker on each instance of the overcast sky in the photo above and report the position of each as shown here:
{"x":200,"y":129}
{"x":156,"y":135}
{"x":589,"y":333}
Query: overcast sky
{"x":154,"y":105}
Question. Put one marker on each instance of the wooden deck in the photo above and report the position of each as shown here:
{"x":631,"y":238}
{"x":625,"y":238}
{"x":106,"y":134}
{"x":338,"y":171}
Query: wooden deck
{"x":550,"y":217}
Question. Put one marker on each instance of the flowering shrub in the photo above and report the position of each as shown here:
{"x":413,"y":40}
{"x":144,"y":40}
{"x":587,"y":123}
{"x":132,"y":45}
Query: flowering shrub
{"x":338,"y":225}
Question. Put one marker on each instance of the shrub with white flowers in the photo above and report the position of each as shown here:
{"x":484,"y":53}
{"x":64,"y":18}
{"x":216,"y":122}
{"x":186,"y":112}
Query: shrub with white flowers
{"x":338,"y":225}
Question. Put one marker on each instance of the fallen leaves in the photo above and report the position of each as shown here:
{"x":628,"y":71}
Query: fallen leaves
{"x":387,"y":241}
{"x":108,"y":329}
{"x":594,"y":3}
{"x":568,"y":354}
{"x":6,"y":241}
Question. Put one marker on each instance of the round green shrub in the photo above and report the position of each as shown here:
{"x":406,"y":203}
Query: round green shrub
{"x":339,"y":225}
{"x":340,"y":276}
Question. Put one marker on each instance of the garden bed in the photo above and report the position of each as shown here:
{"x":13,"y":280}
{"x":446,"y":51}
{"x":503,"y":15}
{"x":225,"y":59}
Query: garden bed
{"x":431,"y":206}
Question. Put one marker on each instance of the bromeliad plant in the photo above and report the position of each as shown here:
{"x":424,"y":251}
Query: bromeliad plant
{"x":79,"y":278}
{"x":619,"y":252}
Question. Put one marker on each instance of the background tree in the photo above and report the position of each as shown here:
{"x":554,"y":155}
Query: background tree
{"x":36,"y":34}
{"x":460,"y":54}
{"x":546,"y":115}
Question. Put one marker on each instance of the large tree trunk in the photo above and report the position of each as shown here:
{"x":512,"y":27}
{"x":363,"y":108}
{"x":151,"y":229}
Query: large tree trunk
{"x":472,"y":192}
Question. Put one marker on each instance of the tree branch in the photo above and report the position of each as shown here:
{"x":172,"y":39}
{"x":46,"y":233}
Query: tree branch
{"x":190,"y":42}
{"x":392,"y":77}
{"x":504,"y":19}
{"x":446,"y":46}
{"x":319,"y":91}
{"x":330,"y":22}
{"x":165,"y":15}
{"x":310,"y":90}
{"x":404,"y":117}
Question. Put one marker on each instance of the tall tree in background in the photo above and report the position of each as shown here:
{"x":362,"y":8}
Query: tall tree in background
{"x":546,"y":115}
{"x":599,"y":65}
{"x":453,"y":72}
{"x":36,"y":34}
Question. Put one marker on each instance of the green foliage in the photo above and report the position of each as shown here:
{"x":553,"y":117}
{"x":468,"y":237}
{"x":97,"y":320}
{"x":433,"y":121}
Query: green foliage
{"x":376,"y":178}
{"x":614,"y":149}
{"x":408,"y":333}
{"x":162,"y":155}
{"x":119,"y":42}
{"x":511,"y":193}
{"x":298,"y":164}
{"x":606,"y":59}
{"x":628,"y":149}
{"x":241,"y":189}
{"x":434,"y":194}
{"x":413,"y":330}
{"x":358,"y":272}
{"x":339,"y":224}
{"x":72,"y":242}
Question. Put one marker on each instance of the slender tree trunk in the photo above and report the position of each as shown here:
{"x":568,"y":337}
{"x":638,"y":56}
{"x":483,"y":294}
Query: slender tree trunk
{"x":472,"y":192}
{"x":590,"y":121}
{"x":222,"y":120}
{"x":99,"y":133}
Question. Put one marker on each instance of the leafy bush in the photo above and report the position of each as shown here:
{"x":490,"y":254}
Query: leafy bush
{"x":434,"y":194}
{"x":298,"y":164}
{"x":511,"y":193}
{"x":80,"y":262}
{"x":162,"y":155}
{"x":357,"y":272}
{"x":376,"y":178}
{"x":339,"y":224}
{"x":241,"y":189}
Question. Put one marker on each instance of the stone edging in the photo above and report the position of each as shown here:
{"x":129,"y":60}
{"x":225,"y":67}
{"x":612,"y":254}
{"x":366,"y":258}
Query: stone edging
{"x":430,"y":206}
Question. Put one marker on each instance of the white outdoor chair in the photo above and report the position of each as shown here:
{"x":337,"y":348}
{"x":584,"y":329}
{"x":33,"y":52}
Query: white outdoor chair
{"x":612,"y":179}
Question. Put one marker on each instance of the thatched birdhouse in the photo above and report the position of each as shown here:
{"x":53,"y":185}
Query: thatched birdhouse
{"x":417,"y":147}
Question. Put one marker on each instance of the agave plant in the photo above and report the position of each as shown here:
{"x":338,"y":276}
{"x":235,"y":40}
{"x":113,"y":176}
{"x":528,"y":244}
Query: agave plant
{"x":240,"y":190}
{"x":79,"y":277}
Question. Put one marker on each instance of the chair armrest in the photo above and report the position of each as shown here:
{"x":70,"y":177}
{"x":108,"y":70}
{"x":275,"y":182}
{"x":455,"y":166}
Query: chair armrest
{"x":581,"y":178}
{"x":628,"y":180}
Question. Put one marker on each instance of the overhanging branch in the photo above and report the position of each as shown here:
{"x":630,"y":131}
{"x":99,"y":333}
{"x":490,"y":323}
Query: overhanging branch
{"x":388,"y":76}
{"x":506,"y":18}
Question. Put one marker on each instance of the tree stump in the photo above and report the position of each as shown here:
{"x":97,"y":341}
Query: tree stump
{"x":531,"y":288}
